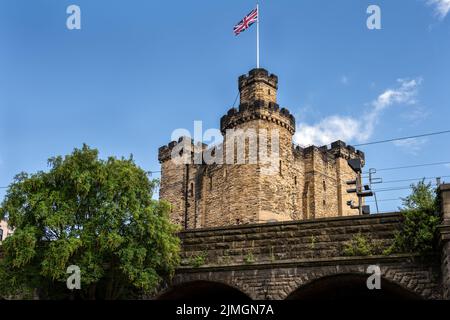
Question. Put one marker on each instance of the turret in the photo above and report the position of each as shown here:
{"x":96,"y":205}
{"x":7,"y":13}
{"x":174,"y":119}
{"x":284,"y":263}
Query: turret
{"x":258,"y":85}
{"x":258,"y":101}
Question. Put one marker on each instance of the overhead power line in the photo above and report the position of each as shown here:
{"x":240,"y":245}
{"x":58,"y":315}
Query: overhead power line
{"x":415,"y":166}
{"x":384,"y":200}
{"x":151,"y":173}
{"x":415,"y":179}
{"x":395,"y":188}
{"x":403,"y":138}
{"x":392,"y":189}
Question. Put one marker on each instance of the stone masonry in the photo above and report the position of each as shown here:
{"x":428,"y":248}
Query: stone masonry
{"x":273,"y":260}
{"x":277,"y":260}
{"x":444,"y":239}
{"x":309,"y":182}
{"x":4,"y":230}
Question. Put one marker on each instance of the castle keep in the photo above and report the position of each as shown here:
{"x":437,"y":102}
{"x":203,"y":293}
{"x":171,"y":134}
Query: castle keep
{"x":308,"y":182}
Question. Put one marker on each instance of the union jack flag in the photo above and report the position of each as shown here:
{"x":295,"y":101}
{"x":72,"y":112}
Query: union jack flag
{"x":245,"y":23}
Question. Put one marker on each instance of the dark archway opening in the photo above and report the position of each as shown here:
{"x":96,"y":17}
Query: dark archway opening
{"x":204,"y":291}
{"x":351,"y":286}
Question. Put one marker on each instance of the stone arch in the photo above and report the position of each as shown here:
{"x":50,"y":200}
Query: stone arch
{"x":233,"y":279}
{"x":352,"y":285}
{"x":412,"y":280}
{"x":205,"y":291}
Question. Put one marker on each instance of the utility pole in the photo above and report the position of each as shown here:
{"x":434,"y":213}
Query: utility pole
{"x":372,"y":181}
{"x":361,"y":190}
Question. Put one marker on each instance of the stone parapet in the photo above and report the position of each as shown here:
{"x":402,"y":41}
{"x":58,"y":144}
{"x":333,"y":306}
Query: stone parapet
{"x":284,"y":241}
{"x":258,"y":110}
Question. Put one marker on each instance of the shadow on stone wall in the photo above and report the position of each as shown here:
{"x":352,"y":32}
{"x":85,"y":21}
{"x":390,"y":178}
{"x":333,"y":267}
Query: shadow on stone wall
{"x":350,"y":286}
{"x":204,"y":291}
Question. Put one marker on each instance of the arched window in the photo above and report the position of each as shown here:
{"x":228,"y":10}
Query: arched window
{"x":324,"y":185}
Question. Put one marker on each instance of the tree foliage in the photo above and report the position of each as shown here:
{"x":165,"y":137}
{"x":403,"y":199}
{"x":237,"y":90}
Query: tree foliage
{"x":362,"y":245}
{"x":420,"y":215}
{"x":96,"y":214}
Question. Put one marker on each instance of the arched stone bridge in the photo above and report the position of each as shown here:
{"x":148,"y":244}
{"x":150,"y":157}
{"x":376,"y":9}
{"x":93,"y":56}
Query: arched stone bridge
{"x":306,"y":260}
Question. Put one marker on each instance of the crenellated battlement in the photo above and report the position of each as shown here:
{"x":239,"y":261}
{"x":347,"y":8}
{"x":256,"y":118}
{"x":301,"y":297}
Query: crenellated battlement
{"x":252,"y":178}
{"x":337,"y":149}
{"x":258,"y":75}
{"x":258,"y":110}
{"x":258,"y":101}
{"x":258,"y":84}
{"x":183,"y":143}
{"x":164,"y":152}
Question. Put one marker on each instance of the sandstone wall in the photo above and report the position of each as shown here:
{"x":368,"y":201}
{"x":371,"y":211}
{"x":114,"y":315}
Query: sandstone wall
{"x":304,"y":183}
{"x":444,"y":237}
{"x":274,"y":242}
{"x":258,"y":85}
{"x":270,"y":261}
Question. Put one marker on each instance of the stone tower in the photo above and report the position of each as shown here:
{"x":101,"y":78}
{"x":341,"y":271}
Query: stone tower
{"x":262,"y":191}
{"x":284,"y":181}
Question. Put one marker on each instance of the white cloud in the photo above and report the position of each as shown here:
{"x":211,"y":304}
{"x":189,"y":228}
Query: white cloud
{"x":347,"y":128}
{"x":441,"y":7}
{"x":412,"y":146}
{"x":416,"y":115}
{"x":404,"y":94}
{"x":304,"y":111}
{"x":329,"y":129}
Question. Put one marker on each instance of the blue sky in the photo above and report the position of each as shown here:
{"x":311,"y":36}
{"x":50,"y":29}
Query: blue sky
{"x":139,"y":69}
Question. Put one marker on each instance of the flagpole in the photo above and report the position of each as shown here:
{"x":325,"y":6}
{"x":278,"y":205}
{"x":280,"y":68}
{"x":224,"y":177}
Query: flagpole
{"x":257,"y":36}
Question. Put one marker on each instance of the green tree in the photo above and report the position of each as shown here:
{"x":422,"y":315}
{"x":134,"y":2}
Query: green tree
{"x":362,"y":245}
{"x":420,"y":215}
{"x":96,"y":214}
